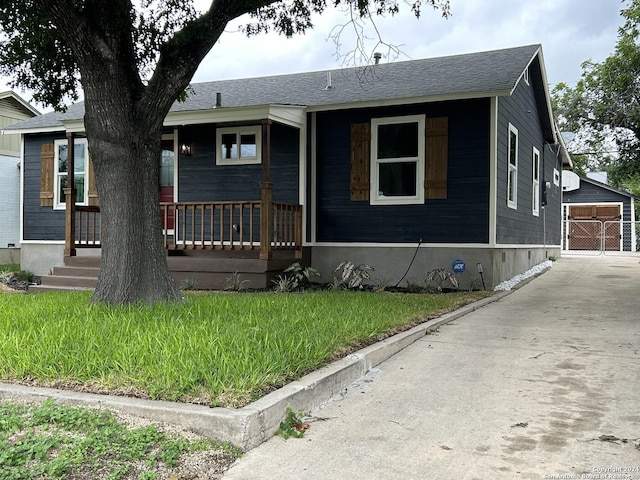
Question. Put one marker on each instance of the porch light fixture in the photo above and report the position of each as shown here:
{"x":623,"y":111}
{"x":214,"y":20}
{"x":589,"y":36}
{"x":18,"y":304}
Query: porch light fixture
{"x":185,"y":149}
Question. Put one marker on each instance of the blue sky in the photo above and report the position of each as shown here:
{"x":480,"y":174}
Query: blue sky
{"x":570,"y":31}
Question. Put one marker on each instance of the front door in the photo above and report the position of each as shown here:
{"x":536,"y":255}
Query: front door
{"x":167,"y":163}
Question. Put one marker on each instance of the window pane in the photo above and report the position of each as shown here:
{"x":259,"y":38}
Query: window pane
{"x":513,"y":148}
{"x":248,"y":146}
{"x":78,"y":181}
{"x":62,"y":184}
{"x":166,"y":168}
{"x":62,"y":158}
{"x":512,"y":185}
{"x":78,"y":158}
{"x":229,"y":146}
{"x":398,"y":140}
{"x":397,"y":179}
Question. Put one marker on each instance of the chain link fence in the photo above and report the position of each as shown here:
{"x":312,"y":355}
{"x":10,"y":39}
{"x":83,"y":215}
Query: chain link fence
{"x":593,"y":237}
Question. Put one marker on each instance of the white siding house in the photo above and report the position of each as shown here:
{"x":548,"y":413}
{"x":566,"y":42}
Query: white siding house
{"x":13,"y":109}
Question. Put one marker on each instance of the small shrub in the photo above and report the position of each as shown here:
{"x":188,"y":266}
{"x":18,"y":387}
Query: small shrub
{"x":25,"y":276}
{"x":235,"y":283}
{"x":300,"y":275}
{"x":6,"y":277}
{"x":352,"y":276}
{"x":292,"y":425}
{"x":552,"y":258}
{"x":189,"y":284}
{"x":439,"y":277}
{"x":284,"y":284}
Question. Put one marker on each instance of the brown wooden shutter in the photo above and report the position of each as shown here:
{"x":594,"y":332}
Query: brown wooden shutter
{"x":46,"y":174}
{"x":93,"y":192}
{"x":435,"y":181}
{"x":360,"y":160}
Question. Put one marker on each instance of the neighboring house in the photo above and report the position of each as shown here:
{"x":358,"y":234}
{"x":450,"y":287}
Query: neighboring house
{"x":596,"y":216}
{"x":407,"y":166}
{"x":13,"y":109}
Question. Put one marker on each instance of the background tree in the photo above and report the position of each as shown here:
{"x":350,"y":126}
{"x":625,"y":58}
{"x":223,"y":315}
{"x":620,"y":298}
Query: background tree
{"x":603,"y":109}
{"x":132,"y":61}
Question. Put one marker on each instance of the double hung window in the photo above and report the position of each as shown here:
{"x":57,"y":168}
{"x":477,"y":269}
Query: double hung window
{"x":536,"y":182}
{"x":397,"y":160}
{"x":80,"y":171}
{"x":512,"y":174}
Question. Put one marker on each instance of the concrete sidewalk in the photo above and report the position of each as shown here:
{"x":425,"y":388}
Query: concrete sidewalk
{"x":543,"y":383}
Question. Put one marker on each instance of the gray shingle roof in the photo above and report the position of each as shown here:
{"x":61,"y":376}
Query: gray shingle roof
{"x":493,"y":72}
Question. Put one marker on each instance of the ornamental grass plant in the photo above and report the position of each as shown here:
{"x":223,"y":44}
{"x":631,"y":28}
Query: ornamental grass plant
{"x":219,"y":349}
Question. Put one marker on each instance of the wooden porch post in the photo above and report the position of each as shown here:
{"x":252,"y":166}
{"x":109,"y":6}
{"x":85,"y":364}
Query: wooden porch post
{"x":266,"y":187}
{"x":70,"y":200}
{"x":298,"y":253}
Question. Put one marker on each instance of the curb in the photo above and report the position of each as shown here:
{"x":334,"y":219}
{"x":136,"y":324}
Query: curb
{"x":255,"y":423}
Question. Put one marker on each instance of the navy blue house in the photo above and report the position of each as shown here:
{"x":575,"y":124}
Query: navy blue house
{"x":406,"y":166}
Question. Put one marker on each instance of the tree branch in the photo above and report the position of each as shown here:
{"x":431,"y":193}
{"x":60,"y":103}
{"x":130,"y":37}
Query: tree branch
{"x":181,"y":55}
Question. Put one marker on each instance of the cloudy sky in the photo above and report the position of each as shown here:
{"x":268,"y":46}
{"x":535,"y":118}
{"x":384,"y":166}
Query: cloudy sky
{"x":570,"y":31}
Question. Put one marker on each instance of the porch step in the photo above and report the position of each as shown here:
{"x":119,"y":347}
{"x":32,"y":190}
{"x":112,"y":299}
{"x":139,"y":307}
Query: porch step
{"x":202,"y":272}
{"x":68,"y":278}
{"x":56,"y":288}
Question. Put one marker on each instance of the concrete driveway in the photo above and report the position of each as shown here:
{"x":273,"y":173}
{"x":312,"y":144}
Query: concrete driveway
{"x":544,"y":383}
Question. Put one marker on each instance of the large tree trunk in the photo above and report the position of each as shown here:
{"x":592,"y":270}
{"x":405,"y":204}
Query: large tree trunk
{"x":126,"y":156}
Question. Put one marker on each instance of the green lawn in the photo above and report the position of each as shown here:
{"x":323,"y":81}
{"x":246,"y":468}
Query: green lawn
{"x":223,"y":349}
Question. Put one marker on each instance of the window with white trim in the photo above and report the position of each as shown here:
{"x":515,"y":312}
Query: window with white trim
{"x":80,"y":167}
{"x":397,"y":160}
{"x":535,"y":199}
{"x":238,"y":145}
{"x":512,"y":179}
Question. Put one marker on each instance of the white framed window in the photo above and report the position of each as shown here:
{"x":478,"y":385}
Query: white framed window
{"x":397,"y":160}
{"x":535,"y":198}
{"x":238,"y":145}
{"x":525,"y":76}
{"x":512,"y":175}
{"x":80,"y":176}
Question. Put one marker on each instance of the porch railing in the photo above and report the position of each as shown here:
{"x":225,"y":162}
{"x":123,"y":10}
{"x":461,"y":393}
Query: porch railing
{"x":231,"y":226}
{"x":241,"y":225}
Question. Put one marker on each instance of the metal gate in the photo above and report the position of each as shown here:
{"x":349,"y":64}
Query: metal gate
{"x":594,"y":237}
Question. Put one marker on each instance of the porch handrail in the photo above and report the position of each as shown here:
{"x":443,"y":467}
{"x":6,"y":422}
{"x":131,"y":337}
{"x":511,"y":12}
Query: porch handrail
{"x":226,"y":225}
{"x":232,"y":225}
{"x":83,"y":227}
